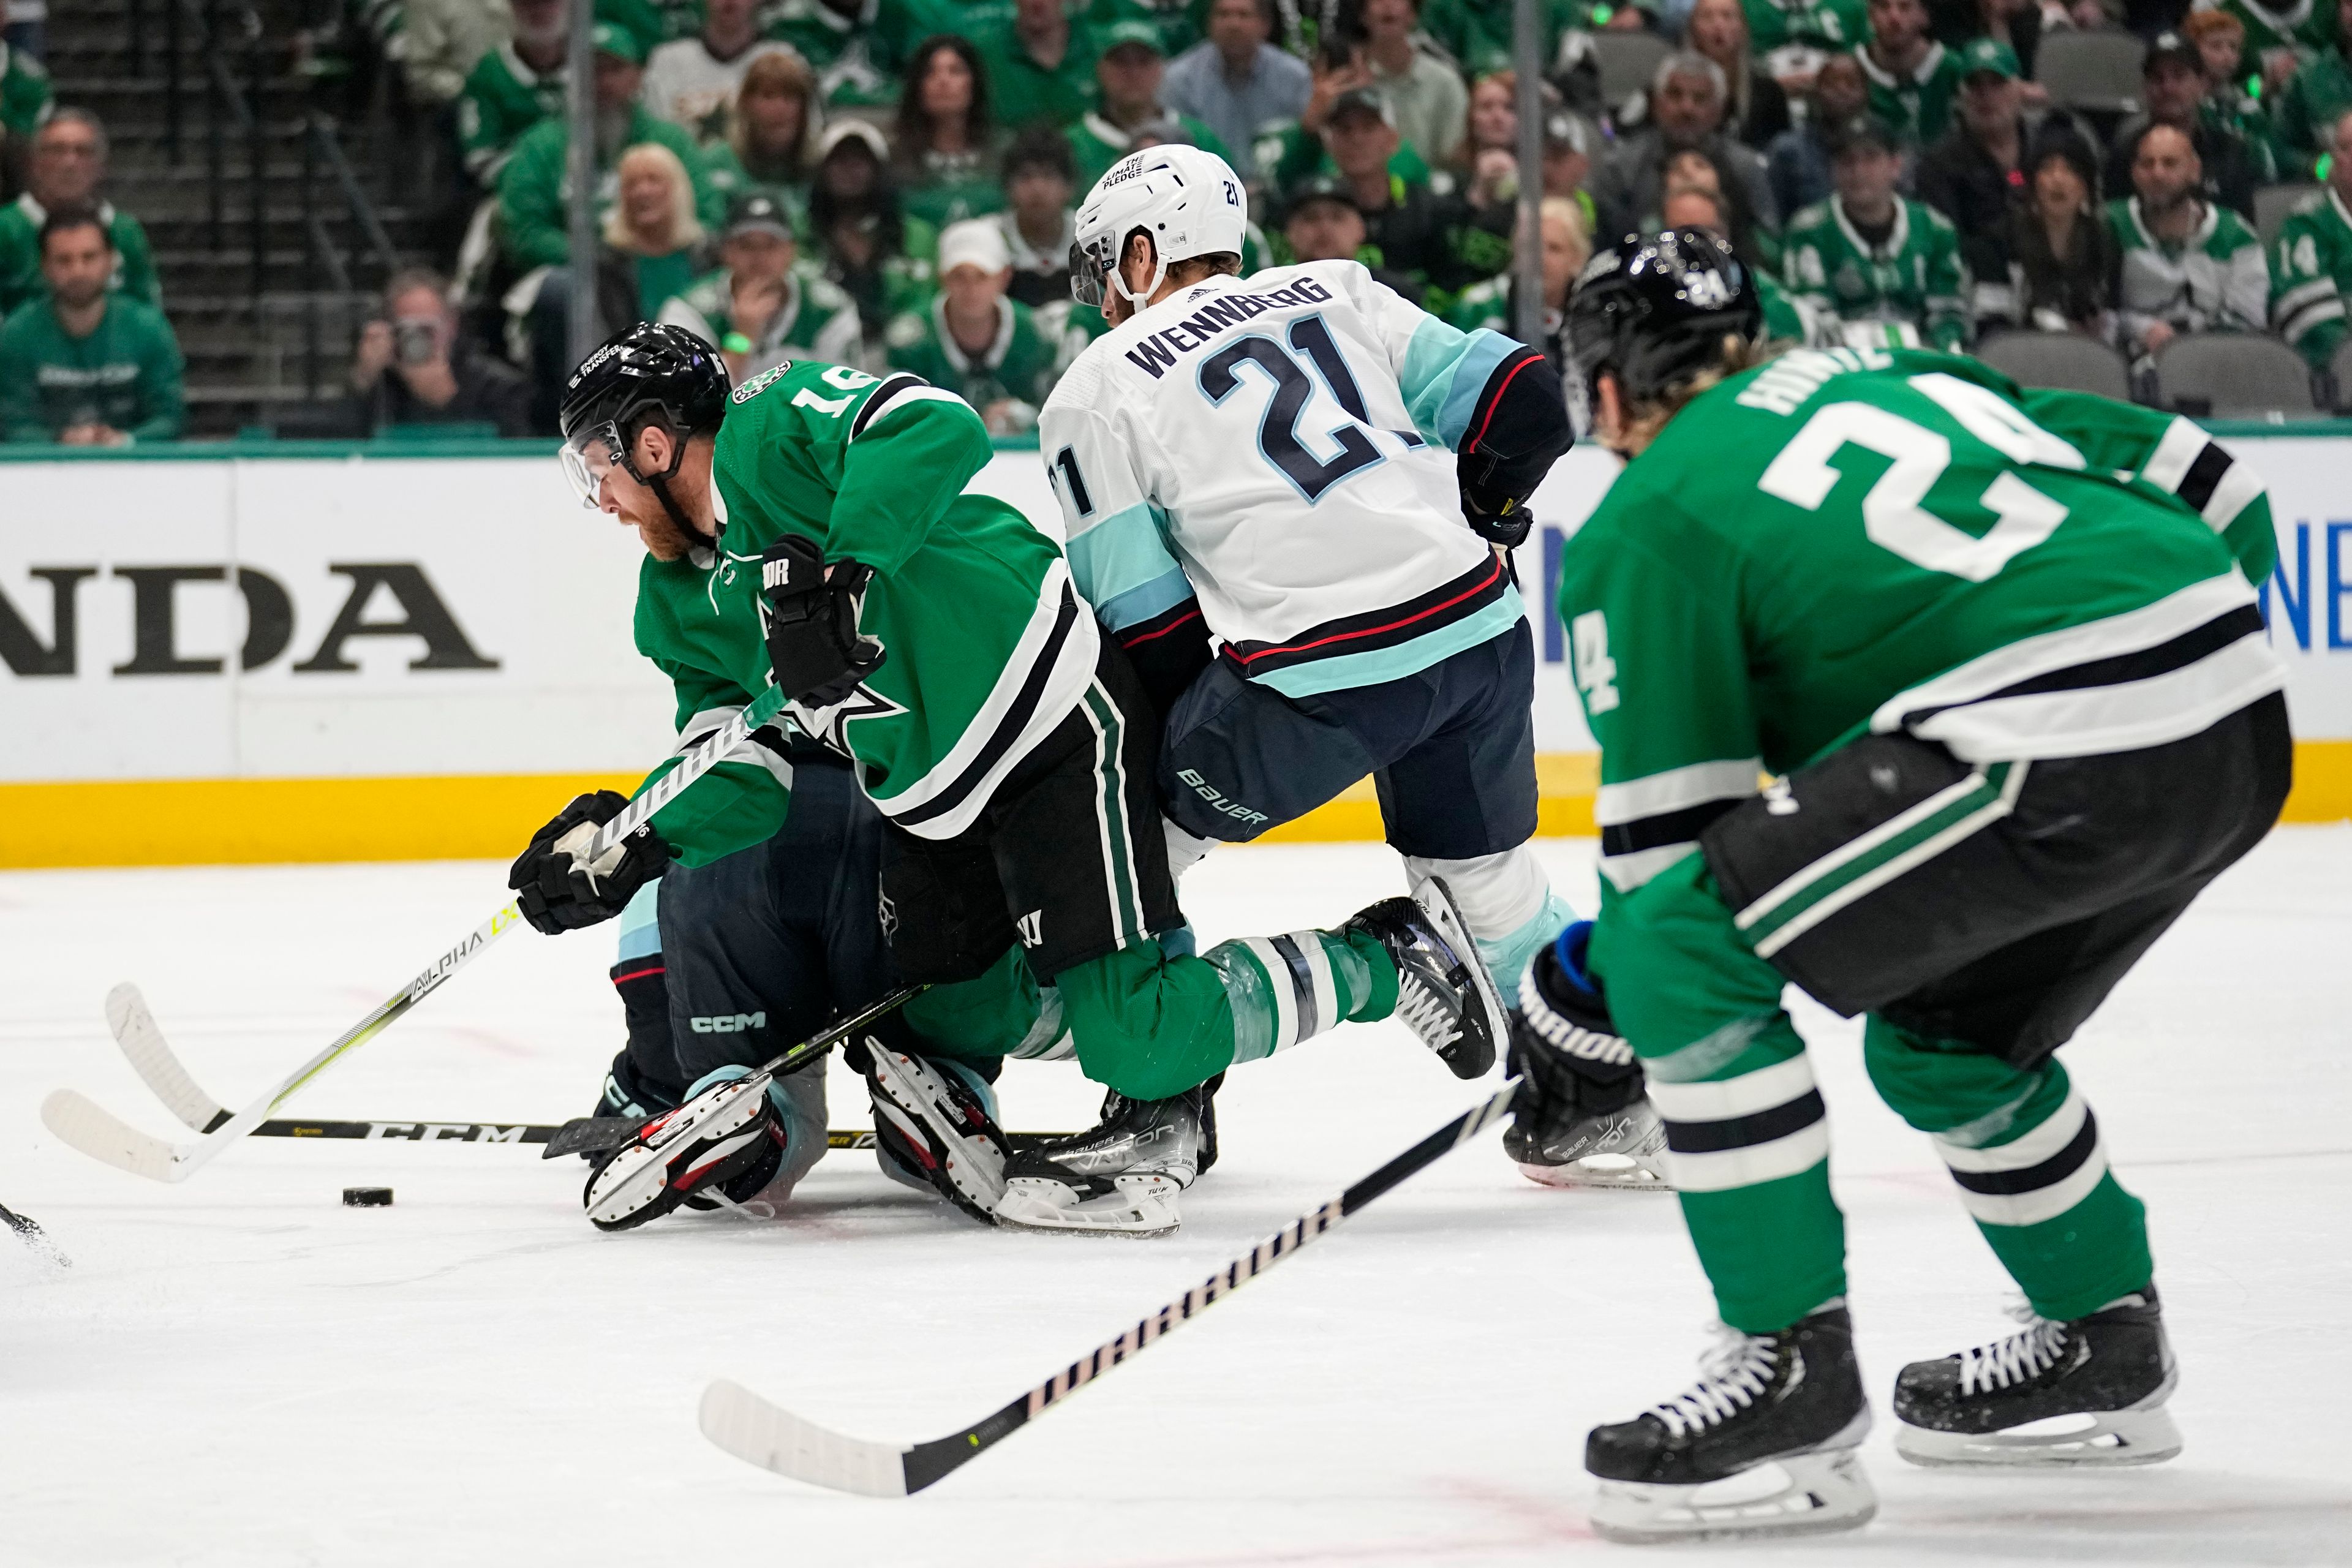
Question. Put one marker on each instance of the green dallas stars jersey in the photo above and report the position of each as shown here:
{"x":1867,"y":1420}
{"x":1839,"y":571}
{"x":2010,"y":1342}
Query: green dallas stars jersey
{"x":1915,"y":278}
{"x":2311,"y":275}
{"x":987,"y":648}
{"x":1919,"y":105}
{"x":1856,"y":540}
{"x":2306,"y":26}
{"x":1020,"y":365}
{"x":1825,"y":23}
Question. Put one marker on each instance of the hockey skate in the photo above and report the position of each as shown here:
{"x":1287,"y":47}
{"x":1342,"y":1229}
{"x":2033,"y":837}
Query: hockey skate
{"x":1444,"y":995}
{"x":934,"y":1125}
{"x":1581,"y":1119}
{"x":1123,"y":1176}
{"x":1762,"y":1445}
{"x":2087,"y":1392}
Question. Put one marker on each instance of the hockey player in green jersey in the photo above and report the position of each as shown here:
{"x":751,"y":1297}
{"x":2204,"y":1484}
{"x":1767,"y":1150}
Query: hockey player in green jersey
{"x":1876,"y":266}
{"x":817,"y":529}
{"x":2311,"y":268}
{"x":2001,"y":649}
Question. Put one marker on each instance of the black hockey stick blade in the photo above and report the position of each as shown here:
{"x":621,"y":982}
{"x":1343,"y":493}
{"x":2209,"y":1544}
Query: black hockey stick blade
{"x":768,"y":1436}
{"x":35,"y":1238}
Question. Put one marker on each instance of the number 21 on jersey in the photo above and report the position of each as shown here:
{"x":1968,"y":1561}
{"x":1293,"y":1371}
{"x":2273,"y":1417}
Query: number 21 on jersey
{"x":1292,"y":387}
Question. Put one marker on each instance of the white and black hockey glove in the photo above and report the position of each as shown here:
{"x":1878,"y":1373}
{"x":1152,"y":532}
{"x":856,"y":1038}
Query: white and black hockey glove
{"x":561,"y":887}
{"x":724,"y":1145}
{"x":1567,"y":1051}
{"x":814,"y":648}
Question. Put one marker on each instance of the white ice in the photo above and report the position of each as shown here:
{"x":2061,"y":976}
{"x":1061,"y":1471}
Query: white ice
{"x":239,"y":1370}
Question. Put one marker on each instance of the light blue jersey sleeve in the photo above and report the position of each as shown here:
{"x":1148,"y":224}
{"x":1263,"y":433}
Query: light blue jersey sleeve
{"x":1440,"y":368}
{"x":1118,"y":544}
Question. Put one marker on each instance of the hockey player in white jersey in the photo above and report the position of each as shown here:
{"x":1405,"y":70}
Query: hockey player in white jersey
{"x":1291,"y":499}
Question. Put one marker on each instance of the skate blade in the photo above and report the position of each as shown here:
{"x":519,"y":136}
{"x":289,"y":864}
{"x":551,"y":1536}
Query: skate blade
{"x":2107,"y":1439}
{"x":1141,"y":1211}
{"x":1806,"y":1494}
{"x":1599,"y":1173}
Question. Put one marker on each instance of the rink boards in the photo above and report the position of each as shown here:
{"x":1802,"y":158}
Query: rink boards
{"x":279,"y":652}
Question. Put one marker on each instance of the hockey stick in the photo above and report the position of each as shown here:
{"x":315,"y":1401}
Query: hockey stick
{"x":773,"y":1438}
{"x":143,"y":1044}
{"x":99,"y":1133}
{"x":35,"y":1238}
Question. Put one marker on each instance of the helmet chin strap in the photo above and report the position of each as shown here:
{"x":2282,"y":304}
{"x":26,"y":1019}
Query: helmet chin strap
{"x":1159,"y":276}
{"x":659,"y":485}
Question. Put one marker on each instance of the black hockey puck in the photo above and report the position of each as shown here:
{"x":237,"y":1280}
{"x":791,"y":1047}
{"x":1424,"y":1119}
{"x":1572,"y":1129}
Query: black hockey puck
{"x":367,"y":1197}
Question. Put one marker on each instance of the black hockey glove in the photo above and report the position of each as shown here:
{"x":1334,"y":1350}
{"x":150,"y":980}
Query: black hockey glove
{"x":564,"y":885}
{"x":1560,"y":985}
{"x":813,"y":644}
{"x":1496,"y":516}
{"x":1565,"y":1050}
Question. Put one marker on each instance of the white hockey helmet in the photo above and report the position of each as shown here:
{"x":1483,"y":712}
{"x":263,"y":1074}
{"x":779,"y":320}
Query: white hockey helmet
{"x":1188,"y":201}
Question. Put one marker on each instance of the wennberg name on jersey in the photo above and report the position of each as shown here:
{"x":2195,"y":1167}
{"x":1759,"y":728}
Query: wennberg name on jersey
{"x":1295,"y":474}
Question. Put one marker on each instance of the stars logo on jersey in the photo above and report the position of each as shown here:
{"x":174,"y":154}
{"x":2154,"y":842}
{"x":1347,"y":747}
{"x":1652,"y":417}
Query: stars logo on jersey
{"x":829,"y":726}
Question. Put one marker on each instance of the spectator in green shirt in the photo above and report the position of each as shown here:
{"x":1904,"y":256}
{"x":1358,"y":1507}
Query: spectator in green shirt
{"x":878,"y":255}
{"x":533,"y":212}
{"x":769,"y":148}
{"x":975,"y":340}
{"x":85,"y":366}
{"x":853,"y":45}
{"x":946,"y":147}
{"x":1130,"y":115}
{"x":513,"y":88}
{"x":68,"y":164}
{"x":2320,"y":91}
{"x":1913,"y":79}
{"x":1040,"y":69}
{"x":24,"y":92}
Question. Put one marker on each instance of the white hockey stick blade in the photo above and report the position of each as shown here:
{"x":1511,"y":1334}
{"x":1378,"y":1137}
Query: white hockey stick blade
{"x":150,"y":1056}
{"x":100,"y":1134}
{"x":773,"y":1438}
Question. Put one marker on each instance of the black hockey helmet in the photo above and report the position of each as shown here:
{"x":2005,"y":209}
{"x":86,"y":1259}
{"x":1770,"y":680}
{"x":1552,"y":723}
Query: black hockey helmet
{"x":649,"y":371}
{"x":1654,"y":309}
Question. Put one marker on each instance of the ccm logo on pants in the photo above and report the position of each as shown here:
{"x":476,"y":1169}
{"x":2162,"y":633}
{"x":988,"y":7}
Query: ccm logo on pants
{"x":730,"y":1022}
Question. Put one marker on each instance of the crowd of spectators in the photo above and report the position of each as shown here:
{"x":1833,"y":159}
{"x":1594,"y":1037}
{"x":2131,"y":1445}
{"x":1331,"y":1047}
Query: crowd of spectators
{"x":892,"y":183}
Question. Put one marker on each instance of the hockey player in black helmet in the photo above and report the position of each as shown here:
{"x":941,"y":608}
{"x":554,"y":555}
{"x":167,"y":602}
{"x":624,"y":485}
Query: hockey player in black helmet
{"x":931,"y":633}
{"x":2000,"y":652}
{"x":1654,"y":316}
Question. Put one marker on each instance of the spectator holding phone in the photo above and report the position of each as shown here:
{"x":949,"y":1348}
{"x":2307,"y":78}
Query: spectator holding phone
{"x":412,"y":368}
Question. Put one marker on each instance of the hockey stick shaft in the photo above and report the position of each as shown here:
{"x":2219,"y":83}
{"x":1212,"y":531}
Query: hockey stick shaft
{"x":752,"y":1429}
{"x":102,"y":1136}
{"x":496,"y":1133}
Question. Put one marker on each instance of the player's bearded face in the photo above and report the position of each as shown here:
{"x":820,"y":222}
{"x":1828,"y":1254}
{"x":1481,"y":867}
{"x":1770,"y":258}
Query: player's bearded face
{"x":616,"y":491}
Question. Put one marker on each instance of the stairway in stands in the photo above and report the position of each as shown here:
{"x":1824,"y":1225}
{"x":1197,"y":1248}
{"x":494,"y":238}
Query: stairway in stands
{"x":256,"y":339}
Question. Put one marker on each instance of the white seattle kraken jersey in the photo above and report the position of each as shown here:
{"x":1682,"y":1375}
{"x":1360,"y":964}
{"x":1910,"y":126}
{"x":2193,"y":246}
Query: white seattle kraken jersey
{"x":1279,"y":447}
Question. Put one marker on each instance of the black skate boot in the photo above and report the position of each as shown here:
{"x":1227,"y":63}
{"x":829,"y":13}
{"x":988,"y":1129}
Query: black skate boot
{"x":1764,"y":1445}
{"x":1581,"y":1119}
{"x":935,"y":1122}
{"x":1444,"y":995}
{"x":2112,"y":1371}
{"x":1120,"y":1177}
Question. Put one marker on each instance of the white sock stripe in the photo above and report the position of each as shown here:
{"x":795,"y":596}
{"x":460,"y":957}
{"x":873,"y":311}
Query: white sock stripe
{"x":1324,"y":986}
{"x":2023,"y":1153}
{"x":2042,"y":1202}
{"x":1719,"y":1099}
{"x":1725,"y":1169}
{"x":1286,"y":1002}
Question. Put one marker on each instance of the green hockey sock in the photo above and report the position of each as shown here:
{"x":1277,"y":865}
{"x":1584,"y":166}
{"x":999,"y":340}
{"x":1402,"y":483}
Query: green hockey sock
{"x":2033,"y":1171}
{"x":1749,"y":1148}
{"x":1285,"y":989}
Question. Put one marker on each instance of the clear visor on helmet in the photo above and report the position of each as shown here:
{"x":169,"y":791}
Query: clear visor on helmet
{"x":1089,"y":265}
{"x":587,"y":456}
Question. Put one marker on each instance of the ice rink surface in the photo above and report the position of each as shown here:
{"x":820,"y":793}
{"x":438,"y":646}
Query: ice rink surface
{"x":239,"y":1370}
